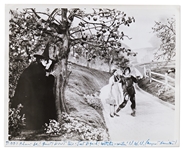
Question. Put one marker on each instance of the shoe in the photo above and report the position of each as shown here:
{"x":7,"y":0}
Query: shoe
{"x":111,"y":115}
{"x":118,"y":109}
{"x":133,"y":113}
{"x":116,"y":114}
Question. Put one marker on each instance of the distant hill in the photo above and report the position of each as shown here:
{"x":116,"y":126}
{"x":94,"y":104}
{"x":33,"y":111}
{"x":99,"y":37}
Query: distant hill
{"x":146,"y":54}
{"x":97,"y":63}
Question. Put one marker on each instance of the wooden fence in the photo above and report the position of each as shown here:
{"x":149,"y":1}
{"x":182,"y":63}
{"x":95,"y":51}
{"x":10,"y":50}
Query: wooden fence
{"x":149,"y":73}
{"x":158,"y":64}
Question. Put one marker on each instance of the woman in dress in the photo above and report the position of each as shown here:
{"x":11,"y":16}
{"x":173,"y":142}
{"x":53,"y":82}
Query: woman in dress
{"x":114,"y":92}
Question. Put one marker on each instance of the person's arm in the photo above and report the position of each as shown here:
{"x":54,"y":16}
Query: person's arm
{"x":134,"y":79}
{"x":111,"y":83}
{"x":123,"y":83}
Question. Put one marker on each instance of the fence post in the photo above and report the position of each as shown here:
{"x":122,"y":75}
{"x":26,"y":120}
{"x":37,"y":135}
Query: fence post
{"x":144,"y":71}
{"x":166,"y":80}
{"x":150,"y":80}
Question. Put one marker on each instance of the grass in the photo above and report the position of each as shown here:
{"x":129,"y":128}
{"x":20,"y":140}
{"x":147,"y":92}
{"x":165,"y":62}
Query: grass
{"x":163,"y":70}
{"x":85,"y":81}
{"x":167,"y":96}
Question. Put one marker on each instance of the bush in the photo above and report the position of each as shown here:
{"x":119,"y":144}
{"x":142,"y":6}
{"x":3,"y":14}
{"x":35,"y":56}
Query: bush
{"x":15,"y":70}
{"x":16,"y":121}
{"x":52,"y":128}
{"x":85,"y":131}
{"x":94,"y":101}
{"x":72,"y":126}
{"x":161,"y":89}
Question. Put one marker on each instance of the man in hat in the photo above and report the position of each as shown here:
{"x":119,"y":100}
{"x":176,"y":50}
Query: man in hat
{"x":35,"y":91}
{"x":127,"y":81}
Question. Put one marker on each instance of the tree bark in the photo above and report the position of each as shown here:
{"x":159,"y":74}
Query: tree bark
{"x":61,"y":75}
{"x":58,"y":93}
{"x":63,"y":85}
{"x":61,"y":78}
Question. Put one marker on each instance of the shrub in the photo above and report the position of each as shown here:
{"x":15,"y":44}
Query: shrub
{"x":161,"y":89}
{"x":94,"y":101}
{"x":15,"y":70}
{"x":85,"y":131}
{"x":16,"y":121}
{"x":72,"y":126}
{"x":52,"y":128}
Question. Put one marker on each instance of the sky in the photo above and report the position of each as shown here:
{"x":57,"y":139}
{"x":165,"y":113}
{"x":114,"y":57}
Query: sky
{"x":145,"y":17}
{"x":144,"y":41}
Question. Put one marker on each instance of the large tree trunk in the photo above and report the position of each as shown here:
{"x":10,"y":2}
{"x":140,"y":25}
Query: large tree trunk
{"x":58,"y":93}
{"x":61,"y":79}
{"x":63,"y":83}
{"x":61,"y":73}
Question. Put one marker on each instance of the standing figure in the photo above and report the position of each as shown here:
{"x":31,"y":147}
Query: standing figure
{"x":35,"y":92}
{"x":127,"y":81}
{"x":114,"y":92}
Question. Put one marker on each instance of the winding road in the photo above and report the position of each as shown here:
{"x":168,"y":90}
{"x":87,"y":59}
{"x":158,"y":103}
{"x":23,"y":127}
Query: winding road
{"x":155,"y":119}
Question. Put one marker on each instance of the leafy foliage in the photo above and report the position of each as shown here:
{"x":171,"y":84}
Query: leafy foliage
{"x":94,"y":101}
{"x":166,"y":33}
{"x":52,"y":128}
{"x":16,"y":121}
{"x":161,"y":89}
{"x":71,"y":126}
{"x":97,"y":31}
{"x":100,"y":33}
{"x":16,"y":67}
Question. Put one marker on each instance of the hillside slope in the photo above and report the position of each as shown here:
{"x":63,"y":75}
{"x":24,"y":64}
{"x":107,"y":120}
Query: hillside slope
{"x":84,"y":81}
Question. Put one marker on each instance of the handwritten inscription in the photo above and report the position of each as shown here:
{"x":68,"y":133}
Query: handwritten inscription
{"x":147,"y":142}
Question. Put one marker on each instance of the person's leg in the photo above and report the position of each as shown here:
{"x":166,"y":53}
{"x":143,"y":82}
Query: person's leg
{"x":111,"y":110}
{"x":133,"y":105}
{"x":122,"y":105}
{"x":115,"y":113}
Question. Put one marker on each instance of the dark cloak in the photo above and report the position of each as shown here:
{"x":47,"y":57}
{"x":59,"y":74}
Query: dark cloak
{"x":35,"y":92}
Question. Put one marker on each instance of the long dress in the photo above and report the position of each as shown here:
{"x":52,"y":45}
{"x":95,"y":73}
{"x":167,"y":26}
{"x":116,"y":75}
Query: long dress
{"x":35,"y":92}
{"x":114,"y":97}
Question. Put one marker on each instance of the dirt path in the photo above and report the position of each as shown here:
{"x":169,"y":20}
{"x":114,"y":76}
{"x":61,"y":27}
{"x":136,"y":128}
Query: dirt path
{"x":154,"y":119}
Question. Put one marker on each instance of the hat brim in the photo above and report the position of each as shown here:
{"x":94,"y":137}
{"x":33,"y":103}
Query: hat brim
{"x":41,"y":56}
{"x":54,"y":61}
{"x":37,"y":55}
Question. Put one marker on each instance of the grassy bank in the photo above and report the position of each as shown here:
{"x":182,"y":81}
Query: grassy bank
{"x":156,"y":88}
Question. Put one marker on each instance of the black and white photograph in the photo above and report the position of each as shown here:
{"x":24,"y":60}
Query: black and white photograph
{"x":92,"y":75}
